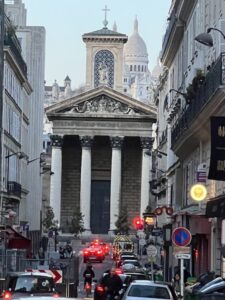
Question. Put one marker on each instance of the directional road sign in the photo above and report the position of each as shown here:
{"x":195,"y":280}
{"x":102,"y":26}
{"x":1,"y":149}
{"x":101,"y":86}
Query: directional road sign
{"x":56,"y":274}
{"x":182,"y":256}
{"x":181,"y":236}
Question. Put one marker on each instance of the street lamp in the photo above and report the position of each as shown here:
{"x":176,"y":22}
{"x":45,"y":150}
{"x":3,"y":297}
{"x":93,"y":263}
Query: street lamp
{"x":158,"y":153}
{"x":21,"y":155}
{"x":41,"y":158}
{"x":206,"y":38}
{"x":187,"y":99}
{"x":46,"y":171}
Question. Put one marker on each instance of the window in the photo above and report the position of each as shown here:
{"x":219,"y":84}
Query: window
{"x":139,"y":68}
{"x":131,"y":68}
{"x":135,"y":68}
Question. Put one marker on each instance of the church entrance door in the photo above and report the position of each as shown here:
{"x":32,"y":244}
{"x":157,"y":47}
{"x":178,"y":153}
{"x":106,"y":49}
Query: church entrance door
{"x":100,"y":206}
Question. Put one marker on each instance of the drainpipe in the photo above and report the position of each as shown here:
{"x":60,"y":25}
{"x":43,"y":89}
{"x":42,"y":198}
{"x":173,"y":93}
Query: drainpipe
{"x":213,"y":244}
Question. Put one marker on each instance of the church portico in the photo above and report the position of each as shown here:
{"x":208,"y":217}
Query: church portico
{"x":103,"y":165}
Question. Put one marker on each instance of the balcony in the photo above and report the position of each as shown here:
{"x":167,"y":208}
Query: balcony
{"x":204,"y":100}
{"x":14,"y":46}
{"x":14,"y":189}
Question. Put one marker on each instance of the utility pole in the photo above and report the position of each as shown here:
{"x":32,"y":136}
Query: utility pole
{"x":2,"y":34}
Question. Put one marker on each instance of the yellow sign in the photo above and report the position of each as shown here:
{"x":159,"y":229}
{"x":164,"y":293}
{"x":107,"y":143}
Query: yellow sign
{"x":198,"y":192}
{"x":181,"y":249}
{"x":150,"y":220}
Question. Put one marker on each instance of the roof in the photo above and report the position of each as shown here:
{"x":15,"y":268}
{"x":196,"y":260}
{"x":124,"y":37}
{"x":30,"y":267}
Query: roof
{"x":36,"y":273}
{"x":104,"y":32}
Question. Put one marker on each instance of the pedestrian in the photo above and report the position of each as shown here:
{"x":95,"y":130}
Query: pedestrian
{"x":41,"y":256}
{"x":176,"y":282}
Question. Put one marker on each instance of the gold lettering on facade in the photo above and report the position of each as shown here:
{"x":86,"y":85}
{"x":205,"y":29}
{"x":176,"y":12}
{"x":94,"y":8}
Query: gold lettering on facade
{"x":221,"y":131}
{"x":220,"y":165}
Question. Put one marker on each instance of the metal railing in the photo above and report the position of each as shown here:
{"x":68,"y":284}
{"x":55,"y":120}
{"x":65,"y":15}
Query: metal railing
{"x":170,"y":27}
{"x":214,"y":79}
{"x":14,"y":189}
{"x":12,"y":43}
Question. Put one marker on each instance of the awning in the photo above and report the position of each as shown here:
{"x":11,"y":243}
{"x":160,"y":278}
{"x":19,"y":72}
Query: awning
{"x":216,"y":208}
{"x":15,"y":240}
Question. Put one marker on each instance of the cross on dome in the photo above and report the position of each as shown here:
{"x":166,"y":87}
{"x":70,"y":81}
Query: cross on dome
{"x":105,"y":22}
{"x":136,"y":24}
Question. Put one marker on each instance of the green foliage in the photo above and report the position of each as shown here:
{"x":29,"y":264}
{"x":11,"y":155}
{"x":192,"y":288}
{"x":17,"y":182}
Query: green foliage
{"x":49,"y":221}
{"x":76,"y":225}
{"x":122,"y":224}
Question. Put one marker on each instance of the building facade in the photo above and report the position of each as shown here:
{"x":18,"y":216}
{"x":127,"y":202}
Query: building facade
{"x":99,"y":142}
{"x":16,"y":97}
{"x":32,"y":41}
{"x":190,"y":91}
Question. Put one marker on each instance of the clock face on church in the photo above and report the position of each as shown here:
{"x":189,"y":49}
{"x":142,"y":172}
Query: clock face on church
{"x":104,"y":68}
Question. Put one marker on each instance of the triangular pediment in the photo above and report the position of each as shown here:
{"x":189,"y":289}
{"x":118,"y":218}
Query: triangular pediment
{"x":102,"y":101}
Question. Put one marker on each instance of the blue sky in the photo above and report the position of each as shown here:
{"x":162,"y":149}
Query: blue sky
{"x":66,"y":20}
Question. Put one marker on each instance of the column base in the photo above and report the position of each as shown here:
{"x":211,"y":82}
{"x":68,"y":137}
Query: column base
{"x":111,"y":232}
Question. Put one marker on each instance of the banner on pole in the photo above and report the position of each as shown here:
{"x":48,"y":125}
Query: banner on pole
{"x":217,"y":157}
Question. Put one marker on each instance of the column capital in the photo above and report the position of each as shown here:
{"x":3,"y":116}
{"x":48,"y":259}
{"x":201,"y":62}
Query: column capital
{"x":56,"y":140}
{"x":116,"y":141}
{"x":86,"y":141}
{"x":147,"y":143}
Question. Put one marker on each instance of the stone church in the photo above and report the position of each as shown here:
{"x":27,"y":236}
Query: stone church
{"x":99,"y":142}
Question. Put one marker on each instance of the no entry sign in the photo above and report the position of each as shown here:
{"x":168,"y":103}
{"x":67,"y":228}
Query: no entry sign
{"x":181,"y":236}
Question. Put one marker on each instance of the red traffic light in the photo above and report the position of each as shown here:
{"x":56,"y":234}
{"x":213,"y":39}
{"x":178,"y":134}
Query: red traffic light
{"x":138,"y":223}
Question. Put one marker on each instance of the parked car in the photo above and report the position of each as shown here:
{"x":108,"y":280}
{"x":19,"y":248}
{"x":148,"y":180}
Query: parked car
{"x":139,"y":289}
{"x":93,"y":253}
{"x":25,"y":284}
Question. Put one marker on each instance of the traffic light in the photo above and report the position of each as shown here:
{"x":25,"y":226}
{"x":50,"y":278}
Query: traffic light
{"x":138,"y":223}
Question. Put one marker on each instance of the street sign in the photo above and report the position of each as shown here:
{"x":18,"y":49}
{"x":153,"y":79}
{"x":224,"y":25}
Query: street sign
{"x":142,"y":242}
{"x":151,"y":251}
{"x":157,"y":231}
{"x":56,"y":274}
{"x":182,"y":256}
{"x":181,"y":250}
{"x":181,"y":236}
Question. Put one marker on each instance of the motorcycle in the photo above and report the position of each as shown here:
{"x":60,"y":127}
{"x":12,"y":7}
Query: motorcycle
{"x":87,"y":289}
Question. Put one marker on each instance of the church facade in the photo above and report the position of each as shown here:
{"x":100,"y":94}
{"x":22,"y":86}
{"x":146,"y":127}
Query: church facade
{"x":99,"y":143}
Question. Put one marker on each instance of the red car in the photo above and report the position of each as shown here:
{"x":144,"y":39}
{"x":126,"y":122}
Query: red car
{"x":93,"y":253}
{"x":105,"y":248}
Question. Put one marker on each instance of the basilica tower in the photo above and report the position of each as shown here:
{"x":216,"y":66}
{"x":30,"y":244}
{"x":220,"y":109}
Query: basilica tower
{"x":104,"y":57}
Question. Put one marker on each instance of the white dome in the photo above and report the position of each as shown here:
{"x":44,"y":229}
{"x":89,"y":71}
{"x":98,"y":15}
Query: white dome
{"x":135,"y":47}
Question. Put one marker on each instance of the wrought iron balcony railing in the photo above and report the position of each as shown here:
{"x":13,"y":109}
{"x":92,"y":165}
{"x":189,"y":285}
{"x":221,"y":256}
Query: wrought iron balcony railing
{"x":214,"y":79}
{"x":170,"y":27}
{"x":14,"y":189}
{"x":12,"y":42}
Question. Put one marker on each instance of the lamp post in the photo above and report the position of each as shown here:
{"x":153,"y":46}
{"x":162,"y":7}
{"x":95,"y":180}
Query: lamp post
{"x":183,"y":94}
{"x":206,"y":38}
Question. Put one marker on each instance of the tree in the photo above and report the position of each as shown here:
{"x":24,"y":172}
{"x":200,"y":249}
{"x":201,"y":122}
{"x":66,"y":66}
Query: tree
{"x":122,"y":223}
{"x":49,"y":221}
{"x":77,"y":223}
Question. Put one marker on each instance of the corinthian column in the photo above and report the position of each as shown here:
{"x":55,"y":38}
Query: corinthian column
{"x":85,"y":184}
{"x":56,"y":178}
{"x":116,"y":143}
{"x":146,"y":143}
